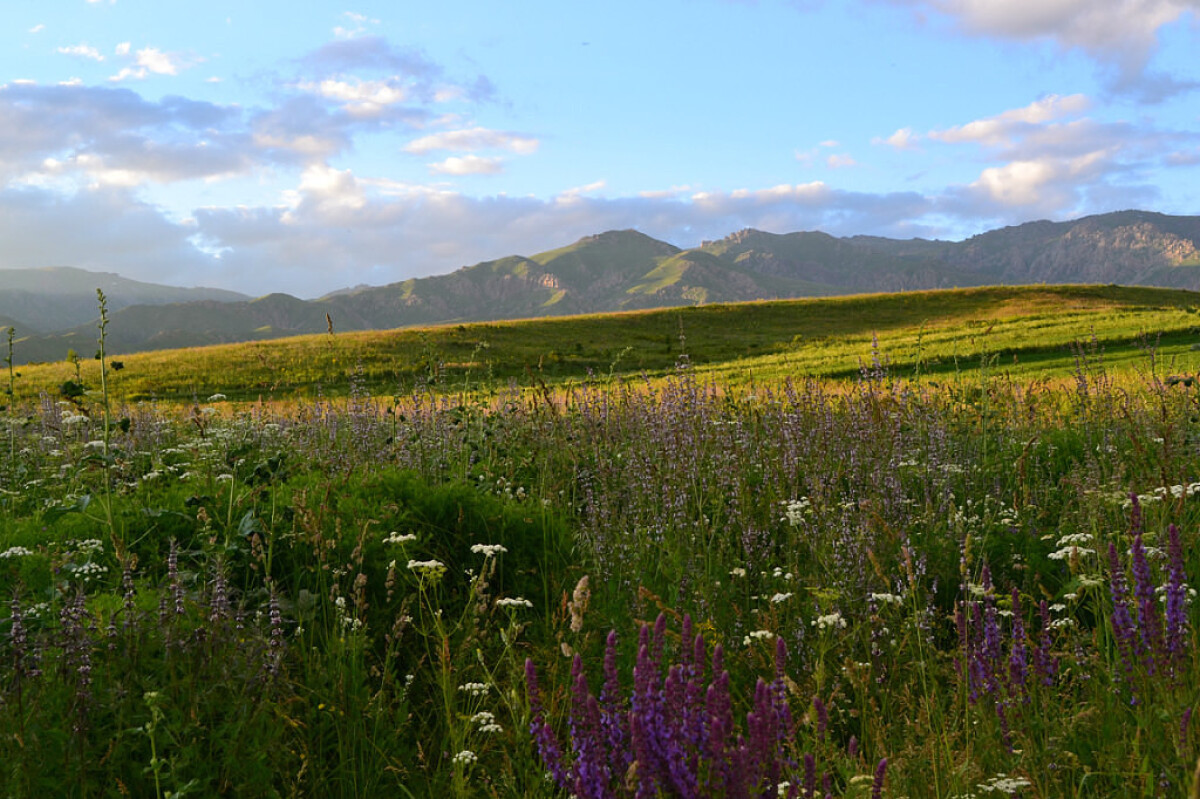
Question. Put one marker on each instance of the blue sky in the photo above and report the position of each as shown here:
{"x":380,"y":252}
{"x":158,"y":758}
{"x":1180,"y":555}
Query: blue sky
{"x":271,"y":146}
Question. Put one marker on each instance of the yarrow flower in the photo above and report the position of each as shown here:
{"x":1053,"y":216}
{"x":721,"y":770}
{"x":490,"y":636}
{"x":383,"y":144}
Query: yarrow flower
{"x":777,"y":598}
{"x":830,"y":621}
{"x":465,"y":758}
{"x":758,"y":635}
{"x":475,"y":689}
{"x":433,"y":569}
{"x":513,"y":602}
{"x":398,"y":538}
{"x":15,"y":552}
{"x":488,"y":550}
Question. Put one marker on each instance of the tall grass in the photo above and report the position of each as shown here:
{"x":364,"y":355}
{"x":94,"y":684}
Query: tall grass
{"x":966,"y":587}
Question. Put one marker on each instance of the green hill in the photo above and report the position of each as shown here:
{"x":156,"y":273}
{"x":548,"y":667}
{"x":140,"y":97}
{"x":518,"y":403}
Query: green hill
{"x":1033,"y":331}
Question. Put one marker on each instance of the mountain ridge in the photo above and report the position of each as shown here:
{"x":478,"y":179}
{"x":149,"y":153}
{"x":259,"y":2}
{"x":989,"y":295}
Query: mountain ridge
{"x":629,"y":270}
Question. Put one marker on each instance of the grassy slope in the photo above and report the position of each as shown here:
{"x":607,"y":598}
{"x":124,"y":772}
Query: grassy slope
{"x":1028,"y":329}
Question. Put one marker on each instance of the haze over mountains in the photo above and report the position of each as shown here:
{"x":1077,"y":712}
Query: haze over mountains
{"x":55,"y":309}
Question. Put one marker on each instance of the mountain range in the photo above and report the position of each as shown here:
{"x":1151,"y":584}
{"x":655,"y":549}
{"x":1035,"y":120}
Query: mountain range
{"x":613,"y":271}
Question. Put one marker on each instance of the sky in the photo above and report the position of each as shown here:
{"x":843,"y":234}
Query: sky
{"x":305,"y":147}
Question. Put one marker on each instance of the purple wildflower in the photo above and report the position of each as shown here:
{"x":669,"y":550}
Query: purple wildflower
{"x":1122,"y":622}
{"x":547,"y":744}
{"x":1177,"y":619}
{"x":1149,"y":624}
{"x":877,"y":784}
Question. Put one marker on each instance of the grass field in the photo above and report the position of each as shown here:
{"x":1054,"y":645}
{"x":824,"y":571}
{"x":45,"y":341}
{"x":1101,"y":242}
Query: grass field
{"x":937,"y":573}
{"x":1030,"y":332}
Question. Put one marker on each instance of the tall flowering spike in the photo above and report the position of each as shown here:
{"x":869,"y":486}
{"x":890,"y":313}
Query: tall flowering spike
{"x":1177,"y":618}
{"x":1149,"y":623}
{"x":810,"y":774}
{"x":1018,"y":657}
{"x":1045,"y":666}
{"x":591,"y":774}
{"x":1135,"y":514}
{"x":1122,"y":622}
{"x":822,"y":718}
{"x":613,"y":716}
{"x":543,"y":736}
{"x":720,"y":728}
{"x":877,"y":784}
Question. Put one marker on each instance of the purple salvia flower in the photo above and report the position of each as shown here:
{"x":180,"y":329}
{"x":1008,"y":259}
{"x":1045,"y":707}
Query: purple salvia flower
{"x":762,"y":728}
{"x":1149,"y":624}
{"x":1122,"y":622}
{"x":590,"y":771}
{"x":1045,"y":666}
{"x":719,"y":712}
{"x":543,"y":736}
{"x":646,"y":721}
{"x":852,"y":748}
{"x":1184,"y":722}
{"x":822,"y":718}
{"x":877,"y":784}
{"x":1018,"y":657}
{"x":612,"y":718}
{"x":810,"y":775}
{"x":1177,"y":619}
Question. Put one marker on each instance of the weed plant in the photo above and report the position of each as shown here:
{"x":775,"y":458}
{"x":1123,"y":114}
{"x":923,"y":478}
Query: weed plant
{"x":885,"y":587}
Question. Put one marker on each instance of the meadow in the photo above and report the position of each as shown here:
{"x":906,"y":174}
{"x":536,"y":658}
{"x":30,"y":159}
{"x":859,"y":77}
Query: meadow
{"x":702,"y":569}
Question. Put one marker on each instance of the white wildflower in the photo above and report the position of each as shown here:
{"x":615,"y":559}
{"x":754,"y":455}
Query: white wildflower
{"x":217,"y":398}
{"x":464,"y":758}
{"x":15,"y":552}
{"x":432,"y":569}
{"x":830,"y":621}
{"x":737,"y":572}
{"x":475,"y":689}
{"x":398,"y":538}
{"x":887,"y":599}
{"x":758,"y":635}
{"x":513,"y":602}
{"x":488,"y":550}
{"x":777,"y":598}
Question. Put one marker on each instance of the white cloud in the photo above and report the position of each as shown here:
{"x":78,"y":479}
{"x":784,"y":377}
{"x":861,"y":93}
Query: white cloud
{"x":474,"y":139}
{"x":467,"y":165}
{"x":148,"y":61}
{"x":82,"y":51}
{"x":840,"y":160}
{"x":902,"y":139}
{"x":122,"y":49}
{"x":1121,"y":34}
{"x":359,"y":97}
{"x":37,"y":28}
{"x":1004,"y":127}
{"x":357,"y":25}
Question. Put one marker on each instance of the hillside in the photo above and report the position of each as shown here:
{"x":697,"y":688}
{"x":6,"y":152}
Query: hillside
{"x":627,"y":270}
{"x":55,"y":298}
{"x":1032,"y":330}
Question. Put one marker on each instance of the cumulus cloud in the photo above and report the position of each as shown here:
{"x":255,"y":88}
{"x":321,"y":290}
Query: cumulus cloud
{"x":82,"y":51}
{"x":1004,"y":127}
{"x":1122,"y":35}
{"x":148,"y":61}
{"x":359,"y":97}
{"x":474,"y":139}
{"x":467,"y":165}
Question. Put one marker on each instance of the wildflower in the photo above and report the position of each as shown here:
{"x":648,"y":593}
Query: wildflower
{"x":737,"y":572}
{"x":887,"y":599}
{"x":397,"y":538}
{"x":465,"y":758}
{"x":95,"y":445}
{"x":513,"y":602}
{"x":777,"y":598}
{"x":475,"y":689}
{"x":758,"y":635}
{"x":488,"y":550}
{"x":15,"y":552}
{"x":1002,"y":783}
{"x":433,"y":569}
{"x":830,"y":621}
{"x":217,"y":398}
